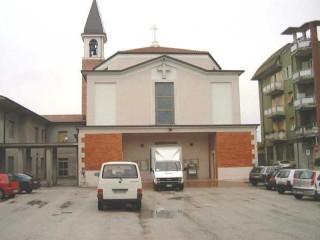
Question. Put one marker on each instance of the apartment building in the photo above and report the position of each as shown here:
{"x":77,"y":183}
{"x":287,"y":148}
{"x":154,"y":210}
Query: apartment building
{"x":289,"y":89}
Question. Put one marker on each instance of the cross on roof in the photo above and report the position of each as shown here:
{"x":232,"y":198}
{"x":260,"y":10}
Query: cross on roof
{"x":154,"y":29}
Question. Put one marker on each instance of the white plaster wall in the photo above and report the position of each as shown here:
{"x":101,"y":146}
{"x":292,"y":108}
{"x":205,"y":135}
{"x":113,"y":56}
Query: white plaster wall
{"x":135,"y":101}
{"x":234,"y":173}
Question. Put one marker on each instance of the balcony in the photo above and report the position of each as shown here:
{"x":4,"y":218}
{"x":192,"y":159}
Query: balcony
{"x":305,"y":132}
{"x":273,"y":88}
{"x":301,"y":48}
{"x":303,"y":76}
{"x":276,"y":136}
{"x":304,"y":103}
{"x":275,"y":112}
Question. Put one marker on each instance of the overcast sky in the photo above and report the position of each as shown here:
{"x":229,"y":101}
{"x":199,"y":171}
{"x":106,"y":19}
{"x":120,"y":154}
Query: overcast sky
{"x":41,"y":46}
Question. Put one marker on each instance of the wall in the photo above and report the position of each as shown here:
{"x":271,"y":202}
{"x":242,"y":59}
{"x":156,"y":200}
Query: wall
{"x":235,"y":149}
{"x":135,"y":101}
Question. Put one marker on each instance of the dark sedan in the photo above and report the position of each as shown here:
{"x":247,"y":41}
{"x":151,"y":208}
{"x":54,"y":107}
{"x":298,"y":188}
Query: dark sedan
{"x":26,"y":182}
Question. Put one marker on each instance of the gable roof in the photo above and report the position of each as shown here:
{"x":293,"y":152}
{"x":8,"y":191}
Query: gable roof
{"x":270,"y":65}
{"x":161,"y":50}
{"x":86,"y":72}
{"x":94,"y":23}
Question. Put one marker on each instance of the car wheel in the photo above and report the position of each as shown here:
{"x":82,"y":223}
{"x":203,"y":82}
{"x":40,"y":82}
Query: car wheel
{"x":28,"y":190}
{"x":12,"y":196}
{"x":281,"y":191}
{"x":100,"y":206}
{"x":254,"y":183}
{"x":316,"y":197}
{"x":268,"y":188}
{"x":181,"y":187}
{"x":138,"y":205}
{"x":1,"y":194}
{"x":298,"y":196}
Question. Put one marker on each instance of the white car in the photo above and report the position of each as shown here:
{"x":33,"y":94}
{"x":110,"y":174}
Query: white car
{"x":284,"y":179}
{"x":307,"y":183}
{"x":119,"y":182}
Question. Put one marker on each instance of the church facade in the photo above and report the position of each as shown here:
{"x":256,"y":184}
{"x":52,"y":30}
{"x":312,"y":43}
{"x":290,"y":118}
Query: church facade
{"x":159,"y":95}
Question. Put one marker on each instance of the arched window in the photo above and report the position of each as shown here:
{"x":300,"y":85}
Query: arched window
{"x":93,"y":44}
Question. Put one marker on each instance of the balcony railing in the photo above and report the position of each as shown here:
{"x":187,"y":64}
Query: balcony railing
{"x":276,"y":136}
{"x":303,"y":76}
{"x":301,"y":48}
{"x":306,"y":102}
{"x":274,"y":112}
{"x":273,"y":88}
{"x":306,"y":132}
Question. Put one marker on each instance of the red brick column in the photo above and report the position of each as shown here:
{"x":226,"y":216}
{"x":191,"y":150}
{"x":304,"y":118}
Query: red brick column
{"x":234,"y":149}
{"x":100,"y":148}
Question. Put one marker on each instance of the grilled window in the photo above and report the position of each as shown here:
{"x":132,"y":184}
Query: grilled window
{"x":164,"y":94}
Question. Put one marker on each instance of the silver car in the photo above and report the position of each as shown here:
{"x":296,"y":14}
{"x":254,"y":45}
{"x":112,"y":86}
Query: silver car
{"x":307,"y":183}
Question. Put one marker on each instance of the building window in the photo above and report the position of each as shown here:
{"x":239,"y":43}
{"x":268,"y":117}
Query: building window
{"x":164,"y":94}
{"x":292,"y":124}
{"x":62,"y":136}
{"x":63,"y":167}
{"x":93,"y":45}
{"x":288,"y":72}
{"x":290,"y":98}
{"x":36,"y":134}
{"x":11,"y":129}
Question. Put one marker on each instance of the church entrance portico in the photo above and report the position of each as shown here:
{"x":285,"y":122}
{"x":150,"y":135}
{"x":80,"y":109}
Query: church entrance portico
{"x":217,"y":154}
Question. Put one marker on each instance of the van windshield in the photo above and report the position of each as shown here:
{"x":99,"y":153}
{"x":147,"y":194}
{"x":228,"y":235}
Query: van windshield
{"x":120,"y":171}
{"x":168,"y":166}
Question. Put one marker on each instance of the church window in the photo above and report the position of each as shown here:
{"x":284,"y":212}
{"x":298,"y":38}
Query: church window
{"x":93,"y":44}
{"x":164,"y":101}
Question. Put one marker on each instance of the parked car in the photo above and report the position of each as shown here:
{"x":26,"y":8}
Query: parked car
{"x":306,"y":183}
{"x":284,"y":179}
{"x":36,"y":181}
{"x":119,"y":182}
{"x":271,"y":180}
{"x":9,"y":186}
{"x":259,"y":174}
{"x":26,"y":182}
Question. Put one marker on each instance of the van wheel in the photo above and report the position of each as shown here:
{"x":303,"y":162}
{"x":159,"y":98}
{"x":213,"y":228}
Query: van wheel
{"x":281,"y":191}
{"x":1,"y":194}
{"x":316,"y":197}
{"x":138,"y":205}
{"x":254,"y":183}
{"x":298,"y":196}
{"x":100,"y":206}
{"x":155,"y":187}
{"x":181,"y":187}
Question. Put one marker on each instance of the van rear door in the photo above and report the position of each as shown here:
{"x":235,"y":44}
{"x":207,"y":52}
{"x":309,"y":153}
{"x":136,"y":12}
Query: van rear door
{"x":119,"y":181}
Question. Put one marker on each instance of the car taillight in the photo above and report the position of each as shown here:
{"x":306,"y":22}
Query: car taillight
{"x":100,"y":193}
{"x":30,"y":181}
{"x":313,"y":178}
{"x":139,"y":190}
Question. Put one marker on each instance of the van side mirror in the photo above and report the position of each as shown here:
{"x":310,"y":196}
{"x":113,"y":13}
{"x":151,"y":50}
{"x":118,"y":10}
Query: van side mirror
{"x":96,"y":174}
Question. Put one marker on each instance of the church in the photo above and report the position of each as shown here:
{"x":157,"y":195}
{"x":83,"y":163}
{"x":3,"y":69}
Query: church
{"x":158,"y":95}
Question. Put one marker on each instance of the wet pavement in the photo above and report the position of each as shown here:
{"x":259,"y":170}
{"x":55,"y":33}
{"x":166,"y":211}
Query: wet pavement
{"x":225,"y":212}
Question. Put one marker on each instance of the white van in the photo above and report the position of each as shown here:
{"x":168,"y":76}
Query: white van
{"x":119,"y":182}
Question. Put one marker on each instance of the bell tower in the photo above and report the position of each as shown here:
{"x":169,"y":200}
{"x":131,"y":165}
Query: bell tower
{"x":93,"y":38}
